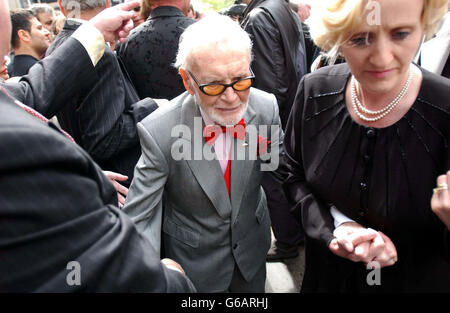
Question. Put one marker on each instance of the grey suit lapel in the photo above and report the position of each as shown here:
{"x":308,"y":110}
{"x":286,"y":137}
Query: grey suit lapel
{"x":241,"y":169}
{"x":207,"y":173}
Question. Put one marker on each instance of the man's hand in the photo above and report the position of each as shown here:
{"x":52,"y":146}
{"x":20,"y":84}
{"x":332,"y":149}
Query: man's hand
{"x":359,"y":244}
{"x":116,"y":22}
{"x":440,"y":202}
{"x":349,"y":238}
{"x":173,"y":265}
{"x":122,"y":191}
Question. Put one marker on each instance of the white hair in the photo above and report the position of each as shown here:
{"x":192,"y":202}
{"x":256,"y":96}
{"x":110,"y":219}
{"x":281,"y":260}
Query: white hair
{"x":214,"y":29}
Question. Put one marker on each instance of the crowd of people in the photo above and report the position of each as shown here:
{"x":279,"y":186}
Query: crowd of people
{"x":179,"y":140}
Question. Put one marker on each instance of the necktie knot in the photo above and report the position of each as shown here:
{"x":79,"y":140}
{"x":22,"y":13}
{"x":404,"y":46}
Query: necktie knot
{"x":211,"y":132}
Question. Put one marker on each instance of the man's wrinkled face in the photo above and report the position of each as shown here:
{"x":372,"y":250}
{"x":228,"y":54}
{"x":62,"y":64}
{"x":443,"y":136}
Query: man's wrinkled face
{"x":220,"y":65}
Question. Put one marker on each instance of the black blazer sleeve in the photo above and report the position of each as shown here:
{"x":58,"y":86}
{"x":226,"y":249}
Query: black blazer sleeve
{"x":57,"y":207}
{"x":317,"y":220}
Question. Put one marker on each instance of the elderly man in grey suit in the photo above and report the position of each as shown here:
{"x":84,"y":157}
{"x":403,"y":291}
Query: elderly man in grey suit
{"x":215,"y":221}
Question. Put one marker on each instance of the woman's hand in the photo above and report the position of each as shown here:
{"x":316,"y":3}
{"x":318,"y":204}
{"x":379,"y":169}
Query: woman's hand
{"x":358,"y":244}
{"x":440,"y":202}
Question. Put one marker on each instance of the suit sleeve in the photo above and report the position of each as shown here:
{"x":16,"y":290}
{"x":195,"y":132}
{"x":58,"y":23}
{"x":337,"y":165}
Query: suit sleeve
{"x":52,"y":81}
{"x":107,"y":112}
{"x":104,"y":142}
{"x":56,"y":210}
{"x":144,"y":200}
{"x":317,"y":220}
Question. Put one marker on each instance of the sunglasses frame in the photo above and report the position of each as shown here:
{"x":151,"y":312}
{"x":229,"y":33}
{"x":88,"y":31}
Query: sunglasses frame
{"x":202,"y":86}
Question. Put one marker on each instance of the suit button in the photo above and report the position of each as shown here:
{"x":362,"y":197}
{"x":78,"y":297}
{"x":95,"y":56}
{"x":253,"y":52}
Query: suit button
{"x":366,"y":158}
{"x":370,"y":133}
{"x":235,"y":246}
{"x":363,"y":186}
{"x":361,"y":213}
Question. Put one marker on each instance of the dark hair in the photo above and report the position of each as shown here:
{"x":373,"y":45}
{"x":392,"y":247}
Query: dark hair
{"x":20,"y":19}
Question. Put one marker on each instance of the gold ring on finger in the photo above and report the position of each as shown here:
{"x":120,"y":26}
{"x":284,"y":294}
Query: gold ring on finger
{"x":440,"y":187}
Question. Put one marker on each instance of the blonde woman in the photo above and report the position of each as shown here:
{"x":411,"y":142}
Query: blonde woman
{"x":365,"y":143}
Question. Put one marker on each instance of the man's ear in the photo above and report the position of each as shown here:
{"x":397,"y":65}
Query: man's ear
{"x":62,"y":8}
{"x":186,"y":81}
{"x":24,"y":35}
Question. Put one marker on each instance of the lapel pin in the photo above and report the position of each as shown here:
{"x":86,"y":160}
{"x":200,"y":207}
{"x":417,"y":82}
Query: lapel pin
{"x":245,"y":144}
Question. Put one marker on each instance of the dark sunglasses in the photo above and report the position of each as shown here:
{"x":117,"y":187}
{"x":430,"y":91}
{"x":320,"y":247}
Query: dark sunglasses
{"x":215,"y":89}
{"x":137,"y":9}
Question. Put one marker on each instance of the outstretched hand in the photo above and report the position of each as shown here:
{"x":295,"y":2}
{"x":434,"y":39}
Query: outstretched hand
{"x":115,"y":23}
{"x":122,"y":191}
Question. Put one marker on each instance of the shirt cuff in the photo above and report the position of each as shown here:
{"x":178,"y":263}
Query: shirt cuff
{"x":339,"y":218}
{"x":173,"y":268}
{"x":92,"y":40}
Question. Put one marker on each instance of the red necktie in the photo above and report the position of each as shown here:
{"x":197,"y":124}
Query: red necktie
{"x":211,"y":132}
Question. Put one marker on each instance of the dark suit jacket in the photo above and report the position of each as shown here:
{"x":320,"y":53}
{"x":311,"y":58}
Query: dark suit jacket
{"x":103,"y":119}
{"x":278,"y":48}
{"x":150,"y":52}
{"x":20,"y":65}
{"x":56,"y":206}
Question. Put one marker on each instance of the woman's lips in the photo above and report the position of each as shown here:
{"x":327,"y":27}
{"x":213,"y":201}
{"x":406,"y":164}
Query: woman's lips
{"x":380,"y":74}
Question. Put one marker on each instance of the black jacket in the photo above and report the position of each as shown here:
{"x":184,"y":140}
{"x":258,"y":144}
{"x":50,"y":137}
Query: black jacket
{"x":103,"y":118}
{"x":56,"y":205}
{"x":150,"y":52}
{"x":381,"y":178}
{"x":277,"y":37}
{"x":20,"y":65}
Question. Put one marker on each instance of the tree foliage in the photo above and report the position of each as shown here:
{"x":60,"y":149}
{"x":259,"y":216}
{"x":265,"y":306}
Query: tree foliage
{"x":214,"y":5}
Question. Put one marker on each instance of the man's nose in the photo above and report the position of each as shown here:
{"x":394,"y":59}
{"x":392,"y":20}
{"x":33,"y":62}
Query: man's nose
{"x":229,"y":95}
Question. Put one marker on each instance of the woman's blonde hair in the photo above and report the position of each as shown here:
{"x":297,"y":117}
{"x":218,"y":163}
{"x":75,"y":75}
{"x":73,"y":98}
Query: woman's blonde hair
{"x":332,"y":20}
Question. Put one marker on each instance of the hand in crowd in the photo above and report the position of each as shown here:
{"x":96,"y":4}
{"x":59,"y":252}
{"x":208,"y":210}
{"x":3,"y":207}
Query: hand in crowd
{"x":440,"y":202}
{"x":358,"y":244}
{"x":116,"y":22}
{"x":172,"y":265}
{"x":122,"y":191}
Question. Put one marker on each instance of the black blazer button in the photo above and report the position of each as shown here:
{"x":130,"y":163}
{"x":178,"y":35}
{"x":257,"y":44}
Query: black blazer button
{"x":363,"y":186}
{"x":370,"y":133}
{"x":235,"y":246}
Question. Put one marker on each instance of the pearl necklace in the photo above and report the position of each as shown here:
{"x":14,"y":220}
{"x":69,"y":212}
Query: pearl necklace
{"x":379,"y":114}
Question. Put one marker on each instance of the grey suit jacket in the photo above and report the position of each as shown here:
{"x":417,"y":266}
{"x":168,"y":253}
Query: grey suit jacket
{"x":203,"y":229}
